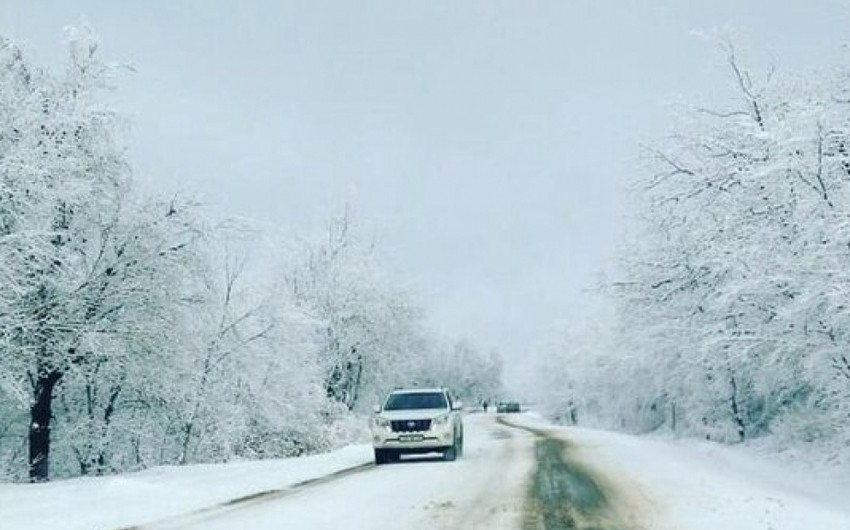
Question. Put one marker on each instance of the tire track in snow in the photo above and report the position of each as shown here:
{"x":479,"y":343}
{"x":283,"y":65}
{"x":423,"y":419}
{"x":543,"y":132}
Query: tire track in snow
{"x":496,"y":489}
{"x":496,"y":507}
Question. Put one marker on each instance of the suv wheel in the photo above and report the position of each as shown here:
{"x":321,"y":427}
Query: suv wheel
{"x":381,"y":457}
{"x":451,"y":453}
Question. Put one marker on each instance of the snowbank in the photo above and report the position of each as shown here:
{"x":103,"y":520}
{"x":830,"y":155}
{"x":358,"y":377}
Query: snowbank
{"x":134,"y":498}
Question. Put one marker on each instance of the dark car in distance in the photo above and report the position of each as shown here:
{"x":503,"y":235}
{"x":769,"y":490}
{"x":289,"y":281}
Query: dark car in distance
{"x":508,"y":406}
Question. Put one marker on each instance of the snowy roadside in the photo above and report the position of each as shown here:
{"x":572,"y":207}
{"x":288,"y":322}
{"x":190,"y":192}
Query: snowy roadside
{"x":665,"y":485}
{"x":108,"y":503}
{"x":695,"y":485}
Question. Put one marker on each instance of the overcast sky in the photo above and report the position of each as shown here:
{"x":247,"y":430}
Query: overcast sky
{"x":487,"y":143}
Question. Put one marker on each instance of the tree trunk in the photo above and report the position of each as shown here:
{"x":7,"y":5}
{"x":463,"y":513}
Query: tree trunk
{"x":673,"y":416}
{"x":358,"y":376}
{"x":41,"y":413}
{"x":107,"y":418}
{"x":736,"y":410}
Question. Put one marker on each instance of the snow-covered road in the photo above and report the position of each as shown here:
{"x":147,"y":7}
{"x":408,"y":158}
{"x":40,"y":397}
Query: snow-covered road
{"x":517,"y":473}
{"x":484,"y":489}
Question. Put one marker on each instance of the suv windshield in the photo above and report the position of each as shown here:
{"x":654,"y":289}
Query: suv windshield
{"x":416,"y":400}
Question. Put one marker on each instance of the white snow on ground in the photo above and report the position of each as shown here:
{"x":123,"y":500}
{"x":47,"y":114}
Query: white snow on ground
{"x":674,"y":485}
{"x":483,"y":489}
{"x":134,"y":498}
{"x":703,"y":486}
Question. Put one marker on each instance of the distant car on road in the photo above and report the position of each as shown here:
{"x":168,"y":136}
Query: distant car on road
{"x":508,"y":406}
{"x":417,"y":421}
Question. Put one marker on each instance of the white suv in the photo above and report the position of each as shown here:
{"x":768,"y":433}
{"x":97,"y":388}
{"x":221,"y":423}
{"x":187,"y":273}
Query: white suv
{"x":421,"y":420}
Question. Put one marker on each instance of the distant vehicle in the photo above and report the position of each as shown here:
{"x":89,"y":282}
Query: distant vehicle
{"x":417,"y":421}
{"x":508,"y":406}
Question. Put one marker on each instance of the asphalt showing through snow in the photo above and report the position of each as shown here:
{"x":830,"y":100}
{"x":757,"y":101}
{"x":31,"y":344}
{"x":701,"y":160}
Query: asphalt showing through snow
{"x":563,"y":494}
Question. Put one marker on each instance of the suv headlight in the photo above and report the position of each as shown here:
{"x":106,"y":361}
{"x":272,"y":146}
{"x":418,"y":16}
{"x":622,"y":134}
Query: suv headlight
{"x":381,"y":422}
{"x":440,"y":421}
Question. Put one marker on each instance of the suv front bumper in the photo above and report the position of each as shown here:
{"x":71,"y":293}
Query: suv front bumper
{"x":437,"y":438}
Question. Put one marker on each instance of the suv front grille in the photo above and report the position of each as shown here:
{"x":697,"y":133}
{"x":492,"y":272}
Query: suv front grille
{"x":410,"y":425}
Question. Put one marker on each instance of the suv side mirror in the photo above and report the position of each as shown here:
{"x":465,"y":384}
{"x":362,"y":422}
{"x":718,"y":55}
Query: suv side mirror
{"x":376,"y":409}
{"x":457,"y":405}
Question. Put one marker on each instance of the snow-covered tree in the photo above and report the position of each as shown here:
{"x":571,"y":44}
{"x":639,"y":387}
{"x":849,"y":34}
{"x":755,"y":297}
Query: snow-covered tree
{"x":363,"y":322}
{"x":731,"y":292}
{"x":87,"y":271}
{"x":472,"y":375}
{"x":134,"y":332}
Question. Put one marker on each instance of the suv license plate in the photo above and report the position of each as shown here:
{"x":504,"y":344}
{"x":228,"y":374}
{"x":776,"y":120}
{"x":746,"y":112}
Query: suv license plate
{"x":410,"y":438}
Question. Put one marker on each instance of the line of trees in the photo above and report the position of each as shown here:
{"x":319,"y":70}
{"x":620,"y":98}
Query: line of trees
{"x":135,"y":332}
{"x":729,"y":307}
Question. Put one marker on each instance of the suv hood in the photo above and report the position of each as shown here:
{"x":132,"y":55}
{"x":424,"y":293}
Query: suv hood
{"x":412,"y":414}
